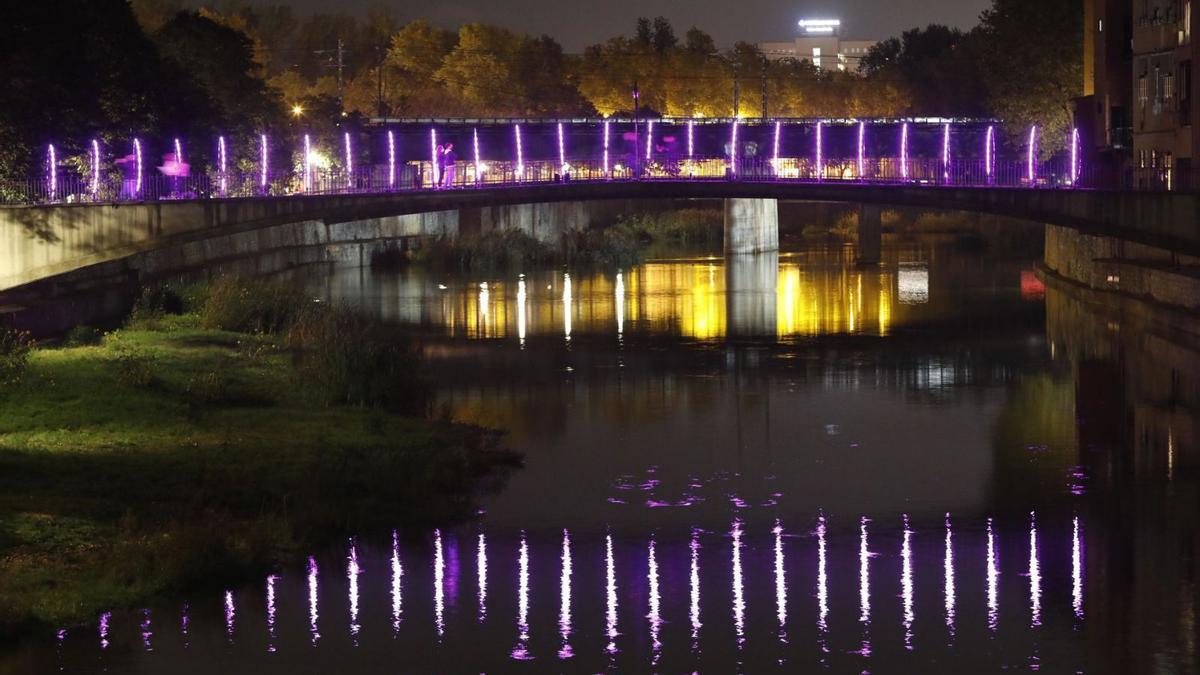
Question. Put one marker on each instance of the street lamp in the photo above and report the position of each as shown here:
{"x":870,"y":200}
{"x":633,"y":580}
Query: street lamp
{"x":297,"y":110}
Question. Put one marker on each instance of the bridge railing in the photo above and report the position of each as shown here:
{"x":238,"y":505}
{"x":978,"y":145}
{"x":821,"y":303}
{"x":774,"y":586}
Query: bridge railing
{"x":412,"y":176}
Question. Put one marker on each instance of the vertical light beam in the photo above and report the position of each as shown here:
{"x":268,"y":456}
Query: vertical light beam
{"x":52,"y":159}
{"x":567,"y":301}
{"x":391,"y":138}
{"x":397,"y":578}
{"x":775,"y":147}
{"x":820,"y":151}
{"x":822,"y":589}
{"x":989,"y":152}
{"x":694,"y":590}
{"x":948,"y":570}
{"x":1035,"y":574}
{"x":564,"y":612}
{"x":520,"y":153}
{"x":739,"y":600}
{"x":349,"y":160}
{"x":1076,"y":570}
{"x":1074,"y":156}
{"x":352,"y":572}
{"x":433,"y":158}
{"x":562,"y":150}
{"x":620,"y":300}
{"x":780,"y":583}
{"x":312,"y":601}
{"x":691,"y":147}
{"x":653,"y":616}
{"x":904,"y":151}
{"x":993,"y":573}
{"x":439,"y":584}
{"x":481,"y":570}
{"x":1032,"y":155}
{"x":95,"y":167}
{"x":906,"y":583}
{"x":733,"y":148}
{"x":263,"y":161}
{"x":229,"y":616}
{"x":610,"y":597}
{"x":307,"y":163}
{"x":862,"y":138}
{"x":649,"y":141}
{"x":864,"y":585}
{"x":221,"y":163}
{"x":271,"y":579}
{"x":521,"y":651}
{"x":946,"y":152}
{"x":475,"y":149}
{"x":606,"y":149}
{"x":137,"y":154}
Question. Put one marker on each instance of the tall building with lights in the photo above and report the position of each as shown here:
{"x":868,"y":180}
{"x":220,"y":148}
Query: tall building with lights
{"x":820,"y":41}
{"x":1164,"y":105}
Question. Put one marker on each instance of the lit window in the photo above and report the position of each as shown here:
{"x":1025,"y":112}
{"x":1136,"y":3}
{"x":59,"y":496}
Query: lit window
{"x":816,"y":55}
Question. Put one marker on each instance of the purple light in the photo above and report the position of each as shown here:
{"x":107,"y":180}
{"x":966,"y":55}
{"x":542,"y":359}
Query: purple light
{"x":948,"y":569}
{"x":820,"y":152}
{"x":312,"y":601}
{"x":397,"y":576}
{"x":349,"y":160}
{"x":481,"y":566}
{"x":822,"y":587}
{"x":562,"y":152}
{"x":307,"y":163}
{"x":691,"y":148}
{"x":1032,"y":154}
{"x":95,"y":167}
{"x":1076,"y":570}
{"x":606,"y":149}
{"x":475,"y":147}
{"x":1074,"y":156}
{"x":53,"y":170}
{"x":103,"y":629}
{"x":862,"y":137}
{"x":780,"y":582}
{"x":137,"y":153}
{"x":649,"y":139}
{"x":906,"y":583}
{"x":433,"y":158}
{"x":178,"y":153}
{"x":993,"y":574}
{"x":733,"y":148}
{"x":147,"y":631}
{"x":221,"y":163}
{"x":989,"y":152}
{"x":739,"y":601}
{"x":352,"y":572}
{"x":694,"y":579}
{"x":230,"y":614}
{"x":520,"y":153}
{"x":904,"y":151}
{"x":521,"y":651}
{"x":1035,"y":574}
{"x":864,"y":584}
{"x":439,"y":584}
{"x":271,"y":579}
{"x":391,"y":159}
{"x":610,"y":597}
{"x":775,"y":151}
{"x":946,"y":151}
{"x":654,"y":617}
{"x":564,"y":614}
{"x":263,"y":160}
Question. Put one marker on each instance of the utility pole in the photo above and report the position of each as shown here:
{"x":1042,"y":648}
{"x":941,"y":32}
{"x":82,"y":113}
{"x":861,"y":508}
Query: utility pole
{"x":764,"y":88}
{"x":341,"y":68}
{"x":736,"y":91}
{"x":636,"y":145}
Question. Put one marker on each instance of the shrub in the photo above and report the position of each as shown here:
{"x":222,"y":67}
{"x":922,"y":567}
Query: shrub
{"x":496,"y":250}
{"x":155,"y":302}
{"x":83,"y":336}
{"x":682,"y":226}
{"x":251,"y":306}
{"x":346,"y":359}
{"x":15,"y":347}
{"x":133,"y":367}
{"x":610,"y":248}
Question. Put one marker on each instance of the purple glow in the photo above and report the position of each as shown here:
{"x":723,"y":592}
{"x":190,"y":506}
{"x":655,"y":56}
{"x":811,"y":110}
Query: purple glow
{"x":53,"y":160}
{"x":95,"y":167}
{"x":349,"y":159}
{"x":906,"y":583}
{"x":562,"y":150}
{"x":904,"y":151}
{"x":439,"y":584}
{"x":649,"y":139}
{"x":307,"y":163}
{"x":520,"y":153}
{"x":221,"y":163}
{"x":521,"y":651}
{"x":610,"y":597}
{"x":694,"y":586}
{"x":691,"y":148}
{"x":481,"y":567}
{"x":564,"y":613}
{"x":733,"y":149}
{"x":822,"y":588}
{"x":391,"y":159}
{"x":397,"y":577}
{"x":780,"y":583}
{"x":1074,"y":156}
{"x":147,"y":631}
{"x":1035,"y":575}
{"x":184,"y":623}
{"x":1032,"y":154}
{"x":989,"y":152}
{"x":104,"y":619}
{"x":178,"y":152}
{"x":312,"y":600}
{"x":137,"y":153}
{"x":862,"y":137}
{"x":775,"y":150}
{"x":435,"y":178}
{"x":1076,"y":570}
{"x":654,"y":617}
{"x":739,"y":600}
{"x":993,"y":573}
{"x":948,"y":570}
{"x":230,"y":614}
{"x":820,"y":152}
{"x":263,"y":161}
{"x":475,"y":148}
{"x":864,"y":574}
{"x":606,"y":149}
{"x":946,"y":151}
{"x":352,"y":572}
{"x":271,"y":579}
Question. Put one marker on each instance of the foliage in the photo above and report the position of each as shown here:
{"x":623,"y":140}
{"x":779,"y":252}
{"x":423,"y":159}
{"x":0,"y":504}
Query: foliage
{"x":496,"y":250}
{"x":251,"y":306}
{"x":83,"y":336}
{"x":682,"y":226}
{"x":939,"y":66}
{"x":15,"y":347}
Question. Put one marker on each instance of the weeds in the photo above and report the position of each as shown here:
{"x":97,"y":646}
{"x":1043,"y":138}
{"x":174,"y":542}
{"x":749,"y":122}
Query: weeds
{"x":15,"y":347}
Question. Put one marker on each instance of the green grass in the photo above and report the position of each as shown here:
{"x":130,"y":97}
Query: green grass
{"x":179,"y":457}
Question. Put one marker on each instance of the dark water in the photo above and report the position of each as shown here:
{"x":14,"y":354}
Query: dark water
{"x":781,"y":462}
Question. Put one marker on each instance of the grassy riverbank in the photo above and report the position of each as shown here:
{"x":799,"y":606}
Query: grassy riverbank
{"x":171,"y":455}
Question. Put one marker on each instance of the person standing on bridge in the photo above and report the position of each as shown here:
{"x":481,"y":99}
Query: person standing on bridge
{"x":438,"y":168}
{"x":449,"y":160}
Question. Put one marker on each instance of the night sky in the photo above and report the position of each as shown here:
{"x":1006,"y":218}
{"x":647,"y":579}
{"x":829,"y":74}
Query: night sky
{"x":578,"y":23}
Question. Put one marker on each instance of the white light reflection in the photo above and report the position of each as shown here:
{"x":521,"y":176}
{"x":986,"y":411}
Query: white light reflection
{"x":694,"y":588}
{"x":610,"y":592}
{"x":229,"y":616}
{"x":352,"y":572}
{"x":439,"y":581}
{"x":521,"y":651}
{"x":1035,"y":574}
{"x":521,"y":312}
{"x":397,"y":576}
{"x":864,"y":585}
{"x":620,"y":304}
{"x":780,"y":583}
{"x":484,"y":300}
{"x":312,"y":600}
{"x":654,"y":616}
{"x":1077,"y":571}
{"x":912,"y":283}
{"x":566,"y":300}
{"x":739,"y":601}
{"x":906,"y":583}
{"x":481,"y":569}
{"x":993,"y":573}
{"x":822,"y":590}
{"x":948,"y":568}
{"x":271,"y":579}
{"x":564,"y":614}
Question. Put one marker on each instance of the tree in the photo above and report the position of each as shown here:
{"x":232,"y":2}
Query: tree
{"x":938,"y":66}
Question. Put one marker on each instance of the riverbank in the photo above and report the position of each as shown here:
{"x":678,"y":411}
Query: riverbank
{"x":169,"y":456}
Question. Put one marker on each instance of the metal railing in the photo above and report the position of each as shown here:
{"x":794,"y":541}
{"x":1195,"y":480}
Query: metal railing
{"x":414,"y":176}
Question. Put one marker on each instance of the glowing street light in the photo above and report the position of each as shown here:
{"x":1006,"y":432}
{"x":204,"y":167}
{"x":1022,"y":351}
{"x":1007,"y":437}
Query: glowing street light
{"x":297,"y":110}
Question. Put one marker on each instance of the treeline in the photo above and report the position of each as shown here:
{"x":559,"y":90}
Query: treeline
{"x":158,"y":68}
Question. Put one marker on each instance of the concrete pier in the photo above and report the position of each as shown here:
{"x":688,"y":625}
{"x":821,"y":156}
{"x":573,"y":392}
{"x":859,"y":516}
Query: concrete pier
{"x":751,"y":226}
{"x":751,"y":294}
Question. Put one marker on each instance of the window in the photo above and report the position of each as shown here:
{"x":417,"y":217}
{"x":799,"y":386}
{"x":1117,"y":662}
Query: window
{"x":1168,"y":87}
{"x":1143,"y":91}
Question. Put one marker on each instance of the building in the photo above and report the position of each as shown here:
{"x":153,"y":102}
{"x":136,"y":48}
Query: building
{"x":820,"y":41}
{"x":1104,"y":115}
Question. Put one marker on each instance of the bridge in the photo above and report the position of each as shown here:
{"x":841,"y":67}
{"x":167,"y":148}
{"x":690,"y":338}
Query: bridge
{"x":155,"y":224}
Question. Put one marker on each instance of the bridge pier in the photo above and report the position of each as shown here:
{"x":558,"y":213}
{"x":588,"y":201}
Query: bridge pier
{"x":751,"y":294}
{"x":870,"y":234}
{"x":751,"y":226}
